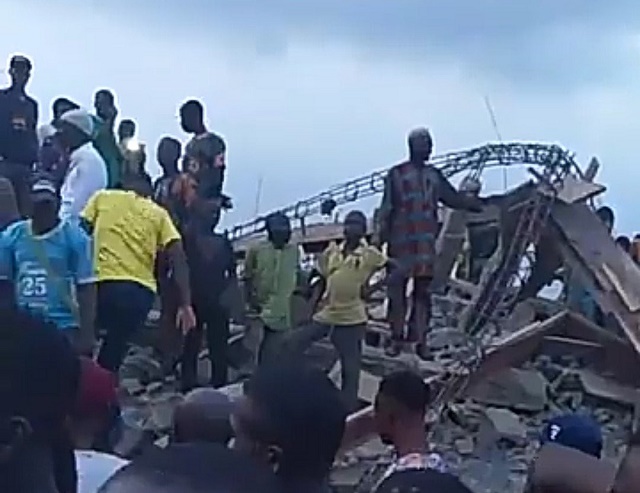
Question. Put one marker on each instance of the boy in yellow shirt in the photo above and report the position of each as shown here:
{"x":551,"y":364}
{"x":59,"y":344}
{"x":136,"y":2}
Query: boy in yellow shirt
{"x":345,"y":272}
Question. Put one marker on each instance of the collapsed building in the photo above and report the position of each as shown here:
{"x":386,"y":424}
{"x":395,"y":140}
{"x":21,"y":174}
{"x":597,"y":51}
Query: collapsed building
{"x":505,"y":359}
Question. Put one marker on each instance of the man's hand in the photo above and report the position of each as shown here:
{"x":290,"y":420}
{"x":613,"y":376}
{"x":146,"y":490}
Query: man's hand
{"x":185,"y":319}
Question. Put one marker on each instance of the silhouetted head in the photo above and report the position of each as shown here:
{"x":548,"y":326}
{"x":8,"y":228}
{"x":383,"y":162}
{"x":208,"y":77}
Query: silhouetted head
{"x":624,"y":242}
{"x":606,"y":215}
{"x":291,"y":417}
{"x":105,"y":104}
{"x":401,"y":401}
{"x":61,"y":106}
{"x":192,"y":468}
{"x":192,"y":116}
{"x":355,"y":227}
{"x":420,"y":145}
{"x":204,"y":415}
{"x":278,"y":228}
{"x":20,"y":71}
{"x":126,"y":129}
{"x":168,"y":154}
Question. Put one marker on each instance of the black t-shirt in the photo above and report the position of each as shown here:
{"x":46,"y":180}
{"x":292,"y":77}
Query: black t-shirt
{"x":18,"y":121}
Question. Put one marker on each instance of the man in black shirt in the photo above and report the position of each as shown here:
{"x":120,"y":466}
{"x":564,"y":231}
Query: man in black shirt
{"x":212,"y":272}
{"x":18,"y":136}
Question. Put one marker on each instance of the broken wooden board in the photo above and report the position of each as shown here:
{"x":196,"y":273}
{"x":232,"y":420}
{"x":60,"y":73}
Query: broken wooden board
{"x":448,"y":246}
{"x":586,"y":247}
{"x":592,"y":170}
{"x":629,"y":297}
{"x":574,"y":190}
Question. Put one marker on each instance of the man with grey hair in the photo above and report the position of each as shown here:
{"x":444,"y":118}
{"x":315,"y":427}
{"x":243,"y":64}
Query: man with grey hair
{"x":408,"y":223}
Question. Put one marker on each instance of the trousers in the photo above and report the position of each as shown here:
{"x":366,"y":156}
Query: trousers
{"x":272,"y":345}
{"x":212,"y":321}
{"x":420,"y":314}
{"x":347,"y":340}
{"x":122,"y":308}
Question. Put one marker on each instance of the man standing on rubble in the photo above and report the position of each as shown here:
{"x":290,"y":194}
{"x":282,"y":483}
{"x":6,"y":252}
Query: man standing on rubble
{"x":104,"y":139}
{"x":18,"y":137}
{"x":409,"y":225}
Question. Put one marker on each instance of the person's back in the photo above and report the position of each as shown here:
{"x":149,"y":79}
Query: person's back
{"x":193,"y":468}
{"x":39,"y":373}
{"x":129,"y":230}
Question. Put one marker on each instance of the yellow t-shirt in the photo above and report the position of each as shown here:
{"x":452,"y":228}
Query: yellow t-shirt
{"x":128,"y":232}
{"x":345,"y":276}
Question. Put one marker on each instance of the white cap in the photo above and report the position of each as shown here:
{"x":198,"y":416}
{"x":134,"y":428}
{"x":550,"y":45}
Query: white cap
{"x":80,"y":119}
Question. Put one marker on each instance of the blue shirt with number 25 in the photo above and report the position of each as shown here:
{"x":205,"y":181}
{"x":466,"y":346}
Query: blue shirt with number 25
{"x":46,"y":287}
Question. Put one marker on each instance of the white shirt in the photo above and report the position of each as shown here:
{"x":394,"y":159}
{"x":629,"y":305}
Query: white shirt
{"x":95,"y":468}
{"x":86,"y":175}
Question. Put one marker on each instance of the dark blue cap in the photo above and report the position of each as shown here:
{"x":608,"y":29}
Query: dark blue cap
{"x":574,"y":431}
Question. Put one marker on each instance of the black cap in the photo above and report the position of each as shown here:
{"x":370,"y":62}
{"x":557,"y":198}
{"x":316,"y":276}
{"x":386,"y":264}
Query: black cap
{"x":20,"y":61}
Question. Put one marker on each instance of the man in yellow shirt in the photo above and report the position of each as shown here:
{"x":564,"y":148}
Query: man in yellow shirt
{"x":345,"y":272}
{"x":129,"y":230}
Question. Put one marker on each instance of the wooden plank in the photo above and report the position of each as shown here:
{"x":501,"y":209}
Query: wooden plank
{"x":586,"y":247}
{"x":576,"y":190}
{"x":629,"y":297}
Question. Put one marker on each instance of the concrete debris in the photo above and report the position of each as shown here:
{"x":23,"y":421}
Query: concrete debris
{"x":505,"y":425}
{"x":523,"y":390}
{"x":608,"y":390}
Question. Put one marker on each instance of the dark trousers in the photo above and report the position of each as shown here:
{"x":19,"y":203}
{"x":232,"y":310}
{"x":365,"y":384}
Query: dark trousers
{"x":19,"y":175}
{"x":122,"y":308}
{"x":212,"y":320}
{"x":420,"y":314}
{"x":347,"y":339}
{"x":272,"y":345}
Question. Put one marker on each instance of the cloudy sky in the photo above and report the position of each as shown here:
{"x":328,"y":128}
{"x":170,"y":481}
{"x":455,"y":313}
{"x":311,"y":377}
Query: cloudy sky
{"x":308,"y":93}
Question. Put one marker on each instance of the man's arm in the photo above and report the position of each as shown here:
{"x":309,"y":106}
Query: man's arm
{"x":178,"y":261}
{"x":452,"y":198}
{"x":385,"y":212}
{"x":85,"y":279}
{"x":250,"y":266}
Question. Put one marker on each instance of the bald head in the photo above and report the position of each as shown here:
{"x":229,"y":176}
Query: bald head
{"x":420,"y":145}
{"x":203,"y":416}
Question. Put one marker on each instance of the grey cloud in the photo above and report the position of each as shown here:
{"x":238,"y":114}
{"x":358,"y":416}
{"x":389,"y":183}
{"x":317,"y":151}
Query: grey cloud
{"x":542,"y":43}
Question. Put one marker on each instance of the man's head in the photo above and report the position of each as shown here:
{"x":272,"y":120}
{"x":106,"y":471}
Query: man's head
{"x":624,"y":242}
{"x":126,"y":129}
{"x":278,"y":228}
{"x":19,"y":71}
{"x":192,"y":468}
{"x":355,"y":226}
{"x":628,"y":475}
{"x":105,"y":104}
{"x":422,"y":481}
{"x":192,"y":116}
{"x":138,"y":183}
{"x":292,"y":417}
{"x":168,"y":153}
{"x":61,"y":106}
{"x":420,"y":145}
{"x":605,"y":214}
{"x":96,"y":405}
{"x":75,"y":128}
{"x":45,"y":200}
{"x":204,"y":415}
{"x":402,"y":400}
{"x":575,"y":431}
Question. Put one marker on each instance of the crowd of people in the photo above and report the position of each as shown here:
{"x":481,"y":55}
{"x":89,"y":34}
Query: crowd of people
{"x":89,"y":242}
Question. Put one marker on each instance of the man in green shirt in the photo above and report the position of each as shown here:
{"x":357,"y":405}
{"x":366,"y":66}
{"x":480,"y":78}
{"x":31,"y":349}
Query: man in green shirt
{"x":271,"y":277}
{"x":104,"y":139}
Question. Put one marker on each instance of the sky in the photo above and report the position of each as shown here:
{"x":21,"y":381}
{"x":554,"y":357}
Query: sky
{"x":309,"y":93}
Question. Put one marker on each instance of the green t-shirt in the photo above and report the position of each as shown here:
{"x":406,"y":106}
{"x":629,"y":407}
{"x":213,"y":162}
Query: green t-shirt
{"x":274,"y":274}
{"x":105,"y":143}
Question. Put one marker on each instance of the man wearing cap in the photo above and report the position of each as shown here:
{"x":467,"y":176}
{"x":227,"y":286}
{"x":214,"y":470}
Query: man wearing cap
{"x":408,"y":223}
{"x":50,"y":262}
{"x":87,"y":172}
{"x":18,"y":138}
